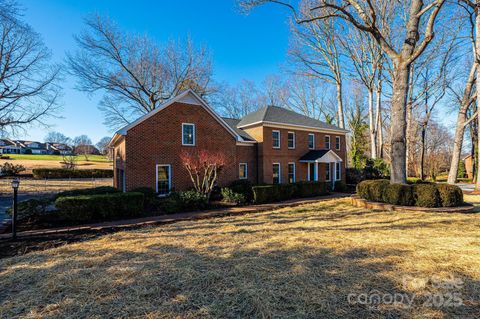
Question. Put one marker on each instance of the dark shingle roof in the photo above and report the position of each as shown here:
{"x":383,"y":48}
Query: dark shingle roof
{"x":313,"y":155}
{"x":233,"y":123}
{"x":281,"y":115}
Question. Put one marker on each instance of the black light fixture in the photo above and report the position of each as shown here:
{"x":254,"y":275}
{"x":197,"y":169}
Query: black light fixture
{"x":15,"y":185}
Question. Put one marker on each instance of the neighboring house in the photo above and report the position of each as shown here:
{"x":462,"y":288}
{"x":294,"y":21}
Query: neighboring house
{"x":10,"y":147}
{"x":61,"y":148}
{"x":86,"y":149}
{"x":271,"y":145}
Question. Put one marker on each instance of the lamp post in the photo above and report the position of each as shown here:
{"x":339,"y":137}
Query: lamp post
{"x":15,"y":185}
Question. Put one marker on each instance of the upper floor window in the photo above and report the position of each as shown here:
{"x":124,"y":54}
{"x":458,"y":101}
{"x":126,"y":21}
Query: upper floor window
{"x":311,"y":141}
{"x":243,"y":171}
{"x":337,"y":143}
{"x":327,"y":142}
{"x":291,"y":139}
{"x":276,"y":139}
{"x":188,"y":134}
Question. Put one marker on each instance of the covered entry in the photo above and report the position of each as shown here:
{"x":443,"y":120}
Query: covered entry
{"x":323,"y":165}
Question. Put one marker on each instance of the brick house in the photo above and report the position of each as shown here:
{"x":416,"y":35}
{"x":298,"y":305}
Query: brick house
{"x":270,"y":145}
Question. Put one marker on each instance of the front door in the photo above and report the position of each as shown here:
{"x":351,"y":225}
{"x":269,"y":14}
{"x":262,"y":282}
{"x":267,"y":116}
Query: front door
{"x":312,"y":171}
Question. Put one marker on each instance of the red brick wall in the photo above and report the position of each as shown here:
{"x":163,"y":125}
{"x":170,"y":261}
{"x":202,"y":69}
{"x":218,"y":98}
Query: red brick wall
{"x":284,"y":155}
{"x":158,"y":140}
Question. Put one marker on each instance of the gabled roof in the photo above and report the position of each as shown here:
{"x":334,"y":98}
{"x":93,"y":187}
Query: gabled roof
{"x":233,"y":123}
{"x":321,"y":156}
{"x":280,"y":115}
{"x":188,"y":97}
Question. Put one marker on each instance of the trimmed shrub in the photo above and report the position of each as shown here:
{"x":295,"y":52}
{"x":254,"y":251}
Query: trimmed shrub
{"x":97,"y":207}
{"x":32,"y":208}
{"x":310,"y":189}
{"x":398,"y":194}
{"x":229,"y":196}
{"x":184,"y":201}
{"x":372,"y":189}
{"x":244,"y":187}
{"x":426,"y":195}
{"x":340,"y":186}
{"x":70,"y":173}
{"x":450,"y":195}
{"x":281,"y":192}
{"x":88,"y":191}
{"x":150,"y":199}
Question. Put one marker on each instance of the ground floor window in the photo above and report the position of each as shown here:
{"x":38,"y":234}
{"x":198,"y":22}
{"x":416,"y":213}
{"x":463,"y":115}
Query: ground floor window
{"x":276,"y":173}
{"x":243,"y":171}
{"x":327,"y":172}
{"x":291,"y":173}
{"x":338,"y":171}
{"x":164,"y":179}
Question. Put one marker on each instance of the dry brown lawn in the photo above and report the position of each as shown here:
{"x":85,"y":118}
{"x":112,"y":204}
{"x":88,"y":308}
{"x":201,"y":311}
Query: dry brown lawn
{"x":31,"y":164}
{"x":298,"y":262}
{"x":39,"y":186}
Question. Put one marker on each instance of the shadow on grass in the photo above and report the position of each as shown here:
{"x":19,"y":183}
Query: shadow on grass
{"x":167,"y":280}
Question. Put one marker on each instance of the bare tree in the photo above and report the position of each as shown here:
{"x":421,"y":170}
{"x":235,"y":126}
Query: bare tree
{"x":316,"y":48}
{"x":57,"y":137}
{"x":134,"y":73}
{"x":102,"y":145}
{"x":416,"y":33}
{"x":310,"y":96}
{"x":237,"y":101}
{"x":83,"y":145}
{"x":29,"y":88}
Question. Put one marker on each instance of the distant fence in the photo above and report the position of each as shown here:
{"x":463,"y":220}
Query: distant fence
{"x":30,"y":185}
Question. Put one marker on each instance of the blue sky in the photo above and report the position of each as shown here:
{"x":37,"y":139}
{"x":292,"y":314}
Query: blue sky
{"x":243,"y":47}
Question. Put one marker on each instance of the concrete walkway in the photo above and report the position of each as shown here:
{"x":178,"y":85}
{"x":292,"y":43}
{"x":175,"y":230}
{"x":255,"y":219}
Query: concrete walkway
{"x":165,"y":219}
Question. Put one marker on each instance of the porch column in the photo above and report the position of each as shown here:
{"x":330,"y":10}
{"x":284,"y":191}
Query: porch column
{"x":316,"y":172}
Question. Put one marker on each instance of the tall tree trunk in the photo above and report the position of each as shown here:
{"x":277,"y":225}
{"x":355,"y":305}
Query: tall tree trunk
{"x":398,"y":150}
{"x":422,"y":154}
{"x":409,"y":122}
{"x":372,"y":130}
{"x":477,"y":59}
{"x":341,"y":118}
{"x":379,"y":119}
{"x":460,"y":127}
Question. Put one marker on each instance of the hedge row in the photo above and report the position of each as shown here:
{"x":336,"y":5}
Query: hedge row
{"x":69,"y":173}
{"x":421,"y":194}
{"x":276,"y":193}
{"x":88,"y":191}
{"x":97,"y":207}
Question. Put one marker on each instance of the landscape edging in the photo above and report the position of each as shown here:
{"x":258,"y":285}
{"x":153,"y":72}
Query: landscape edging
{"x":363,"y":203}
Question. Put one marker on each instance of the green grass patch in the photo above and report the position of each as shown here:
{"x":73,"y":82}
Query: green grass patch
{"x":36,"y":157}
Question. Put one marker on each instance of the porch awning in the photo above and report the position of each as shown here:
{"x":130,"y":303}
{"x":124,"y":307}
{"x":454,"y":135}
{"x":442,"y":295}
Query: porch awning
{"x":320,"y":156}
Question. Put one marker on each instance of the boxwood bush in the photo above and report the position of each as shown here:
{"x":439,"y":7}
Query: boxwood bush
{"x":419,"y":194}
{"x":88,"y":191}
{"x":99,"y":207}
{"x":281,"y":192}
{"x":229,"y":196}
{"x":184,"y":201}
{"x":70,"y":173}
{"x":244,"y":187}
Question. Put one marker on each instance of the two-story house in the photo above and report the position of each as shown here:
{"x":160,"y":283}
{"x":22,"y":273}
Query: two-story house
{"x":270,"y":145}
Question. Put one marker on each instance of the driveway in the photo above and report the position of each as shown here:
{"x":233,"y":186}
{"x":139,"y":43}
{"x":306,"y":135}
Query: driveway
{"x":466,"y":187}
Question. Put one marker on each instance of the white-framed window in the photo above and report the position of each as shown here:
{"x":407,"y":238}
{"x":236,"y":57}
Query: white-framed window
{"x":188,"y":134}
{"x":277,"y":179}
{"x":164,"y":179}
{"x":327,"y":142}
{"x":337,"y":143}
{"x":243,"y":171}
{"x":311,"y":141}
{"x":327,"y":172}
{"x":276,"y":139}
{"x":338,"y":171}
{"x":291,"y":140}
{"x":291,"y":173}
